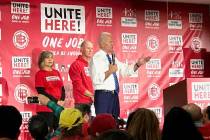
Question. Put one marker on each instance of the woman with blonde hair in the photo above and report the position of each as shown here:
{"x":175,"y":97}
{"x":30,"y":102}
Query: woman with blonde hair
{"x":48,"y":82}
{"x":144,"y":125}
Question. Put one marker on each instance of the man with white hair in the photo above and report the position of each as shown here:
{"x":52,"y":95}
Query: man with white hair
{"x":105,"y":69}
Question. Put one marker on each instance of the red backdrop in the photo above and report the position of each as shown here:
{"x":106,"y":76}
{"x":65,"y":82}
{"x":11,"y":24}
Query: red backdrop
{"x":175,"y":35}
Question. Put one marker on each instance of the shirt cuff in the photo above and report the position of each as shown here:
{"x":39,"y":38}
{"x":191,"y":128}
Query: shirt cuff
{"x":55,"y":107}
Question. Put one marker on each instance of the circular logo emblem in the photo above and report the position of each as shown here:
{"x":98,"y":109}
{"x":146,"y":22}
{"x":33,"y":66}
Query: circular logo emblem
{"x":152,"y":43}
{"x":196,"y":45}
{"x":154,"y":91}
{"x":20,"y":39}
{"x":21,"y":92}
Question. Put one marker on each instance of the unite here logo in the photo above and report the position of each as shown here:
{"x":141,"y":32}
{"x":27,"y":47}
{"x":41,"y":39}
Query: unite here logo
{"x":103,"y":16}
{"x":67,"y":19}
{"x":129,"y":42}
{"x":20,"y":12}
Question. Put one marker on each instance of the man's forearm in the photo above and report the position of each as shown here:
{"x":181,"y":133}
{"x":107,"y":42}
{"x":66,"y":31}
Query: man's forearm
{"x":42,"y":91}
{"x":55,"y":108}
{"x":107,"y":74}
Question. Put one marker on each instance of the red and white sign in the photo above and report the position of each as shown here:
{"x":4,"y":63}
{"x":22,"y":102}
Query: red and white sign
{"x":176,"y":38}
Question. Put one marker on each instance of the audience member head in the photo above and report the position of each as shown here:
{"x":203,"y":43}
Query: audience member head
{"x":178,"y":125}
{"x":101,"y":123}
{"x":45,"y":58}
{"x":208,"y":111}
{"x":86,"y":49}
{"x":10,"y":122}
{"x":144,"y":125}
{"x":85,"y":109}
{"x":206,"y":115}
{"x":130,"y":117}
{"x":70,"y":122}
{"x":38,"y":127}
{"x":194,"y":110}
{"x":115,"y":134}
{"x":106,"y":42}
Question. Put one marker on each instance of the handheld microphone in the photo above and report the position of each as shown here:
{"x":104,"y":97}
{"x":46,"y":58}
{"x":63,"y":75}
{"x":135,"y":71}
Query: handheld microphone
{"x":113,"y":58}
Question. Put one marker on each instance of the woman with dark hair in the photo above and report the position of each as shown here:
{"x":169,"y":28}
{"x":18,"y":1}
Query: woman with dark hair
{"x":10,"y":121}
{"x":48,"y":82}
{"x":178,"y":125}
{"x":38,"y":128}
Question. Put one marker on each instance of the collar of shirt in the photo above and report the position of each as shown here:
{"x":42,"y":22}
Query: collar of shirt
{"x":102,"y":52}
{"x":80,"y":58}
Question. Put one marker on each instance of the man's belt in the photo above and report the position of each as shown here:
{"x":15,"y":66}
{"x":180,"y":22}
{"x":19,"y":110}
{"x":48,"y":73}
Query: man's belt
{"x":104,"y":90}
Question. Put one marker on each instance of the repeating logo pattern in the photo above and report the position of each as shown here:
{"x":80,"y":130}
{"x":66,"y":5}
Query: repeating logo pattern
{"x":21,"y":92}
{"x":20,"y":39}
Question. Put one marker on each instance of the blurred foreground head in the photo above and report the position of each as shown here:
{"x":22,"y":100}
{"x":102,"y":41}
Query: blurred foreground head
{"x":115,"y":134}
{"x":38,"y":127}
{"x":194,"y":110}
{"x":70,"y":122}
{"x":101,"y":123}
{"x":178,"y":124}
{"x":10,"y":122}
{"x":143,"y":124}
